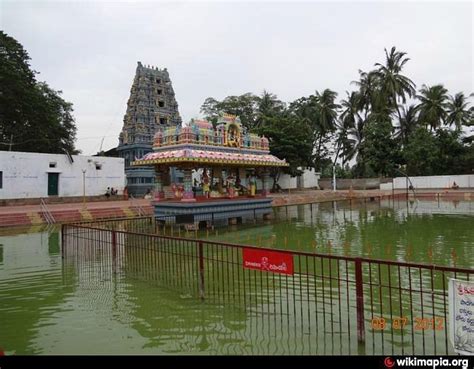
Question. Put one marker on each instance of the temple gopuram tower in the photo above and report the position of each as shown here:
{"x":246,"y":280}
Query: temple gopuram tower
{"x":151,"y":105}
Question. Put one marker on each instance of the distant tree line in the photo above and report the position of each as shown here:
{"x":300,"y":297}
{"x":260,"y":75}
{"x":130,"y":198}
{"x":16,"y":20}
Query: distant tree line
{"x":33,"y":117}
{"x":381,"y":127}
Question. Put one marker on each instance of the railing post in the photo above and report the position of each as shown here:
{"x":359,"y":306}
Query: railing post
{"x":114,"y":243}
{"x":63,"y":245}
{"x":359,"y":301}
{"x":201,"y":270}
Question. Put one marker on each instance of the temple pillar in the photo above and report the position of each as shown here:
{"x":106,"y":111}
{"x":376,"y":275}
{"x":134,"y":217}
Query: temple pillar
{"x":188,"y":194}
{"x":159,"y":194}
{"x":266,"y":179}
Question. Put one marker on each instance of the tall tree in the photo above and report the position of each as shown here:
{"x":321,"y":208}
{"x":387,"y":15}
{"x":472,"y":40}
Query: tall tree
{"x":458,"y":111}
{"x":379,"y":147}
{"x":407,"y":123}
{"x":33,"y":117}
{"x":290,"y":138}
{"x":244,"y":106}
{"x":421,"y":153}
{"x":393,"y":84}
{"x":327,"y":110}
{"x":369,"y":95}
{"x":210,"y":109}
{"x":350,"y":127}
{"x":433,"y":105}
{"x":319,"y":112}
{"x":268,"y":106}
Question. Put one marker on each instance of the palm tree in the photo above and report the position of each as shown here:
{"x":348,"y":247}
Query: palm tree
{"x":394,"y":85}
{"x":268,"y":106}
{"x":327,"y":110}
{"x":356,"y":137}
{"x":369,"y":91}
{"x":407,"y":124}
{"x":350,"y":108}
{"x":433,"y":105}
{"x":319,"y":112}
{"x":346,"y":143}
{"x":458,"y":111}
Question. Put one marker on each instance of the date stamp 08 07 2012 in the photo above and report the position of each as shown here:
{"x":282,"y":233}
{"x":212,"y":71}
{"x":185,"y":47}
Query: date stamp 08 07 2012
{"x":420,"y":323}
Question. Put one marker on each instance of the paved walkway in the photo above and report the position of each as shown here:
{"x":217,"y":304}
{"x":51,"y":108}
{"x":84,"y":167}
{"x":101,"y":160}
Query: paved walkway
{"x":309,"y":196}
{"x":76,"y":206}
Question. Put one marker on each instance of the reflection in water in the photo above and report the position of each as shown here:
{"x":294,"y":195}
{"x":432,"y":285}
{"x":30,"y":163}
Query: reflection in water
{"x":92,"y":302}
{"x":429,"y":232}
{"x":31,"y":289}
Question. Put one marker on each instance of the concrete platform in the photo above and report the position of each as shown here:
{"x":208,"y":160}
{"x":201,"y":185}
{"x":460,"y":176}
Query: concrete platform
{"x":212,"y":210}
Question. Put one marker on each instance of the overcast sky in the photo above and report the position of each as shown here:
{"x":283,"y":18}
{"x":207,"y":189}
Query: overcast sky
{"x":89,"y":50}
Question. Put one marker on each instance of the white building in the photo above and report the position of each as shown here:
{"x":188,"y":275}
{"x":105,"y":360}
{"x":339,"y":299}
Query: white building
{"x":35,"y":175}
{"x":309,"y":179}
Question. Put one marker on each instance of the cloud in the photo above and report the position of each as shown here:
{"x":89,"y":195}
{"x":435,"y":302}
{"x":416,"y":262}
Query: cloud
{"x":89,"y":50}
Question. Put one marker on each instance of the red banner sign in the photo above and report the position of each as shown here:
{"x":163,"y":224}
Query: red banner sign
{"x":269,"y":261}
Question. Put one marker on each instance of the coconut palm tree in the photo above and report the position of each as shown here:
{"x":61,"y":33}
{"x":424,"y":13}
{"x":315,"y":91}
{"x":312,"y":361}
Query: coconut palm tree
{"x":327,"y":110}
{"x":433,"y":105}
{"x":408,"y":123}
{"x":459,"y":113}
{"x":369,"y":91}
{"x":346,"y":143}
{"x":268,"y":106}
{"x":350,"y":108}
{"x":394,"y":86}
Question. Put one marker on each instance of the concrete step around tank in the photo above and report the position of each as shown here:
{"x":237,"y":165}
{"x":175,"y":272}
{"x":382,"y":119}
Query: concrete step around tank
{"x":85,"y":214}
{"x":10,"y":220}
{"x":129,"y":212}
{"x":107,"y":213}
{"x":35,"y":218}
{"x":65,"y":216}
{"x":73,"y":215}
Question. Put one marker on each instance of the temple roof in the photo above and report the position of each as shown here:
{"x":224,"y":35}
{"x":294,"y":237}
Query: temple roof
{"x":229,"y":144}
{"x":209,"y":156}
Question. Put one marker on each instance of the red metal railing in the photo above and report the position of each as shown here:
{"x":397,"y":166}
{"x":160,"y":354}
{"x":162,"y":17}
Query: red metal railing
{"x":357,"y":304}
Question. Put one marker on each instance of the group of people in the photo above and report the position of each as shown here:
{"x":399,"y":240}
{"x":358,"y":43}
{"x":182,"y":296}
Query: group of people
{"x":111,"y":192}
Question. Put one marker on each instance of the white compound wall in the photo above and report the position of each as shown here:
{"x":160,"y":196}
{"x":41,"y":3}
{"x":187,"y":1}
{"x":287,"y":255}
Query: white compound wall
{"x":25,"y":174}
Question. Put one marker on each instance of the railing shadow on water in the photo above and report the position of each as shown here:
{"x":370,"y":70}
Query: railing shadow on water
{"x":337,"y":304}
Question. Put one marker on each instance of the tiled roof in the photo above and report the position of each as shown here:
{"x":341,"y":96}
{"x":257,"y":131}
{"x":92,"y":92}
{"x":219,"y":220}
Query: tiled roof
{"x":209,"y":157}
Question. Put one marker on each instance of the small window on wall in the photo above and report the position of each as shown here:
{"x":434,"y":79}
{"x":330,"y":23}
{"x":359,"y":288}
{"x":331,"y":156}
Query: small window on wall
{"x":163,"y":121}
{"x":159,"y":91}
{"x":158,"y":80}
{"x":161,"y":104}
{"x":52,"y":164}
{"x":98,"y":166}
{"x":1,"y":179}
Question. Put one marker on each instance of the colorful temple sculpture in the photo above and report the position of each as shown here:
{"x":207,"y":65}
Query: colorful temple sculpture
{"x":226,"y":171}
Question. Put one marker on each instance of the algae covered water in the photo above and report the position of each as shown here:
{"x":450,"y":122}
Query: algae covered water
{"x":50,"y":307}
